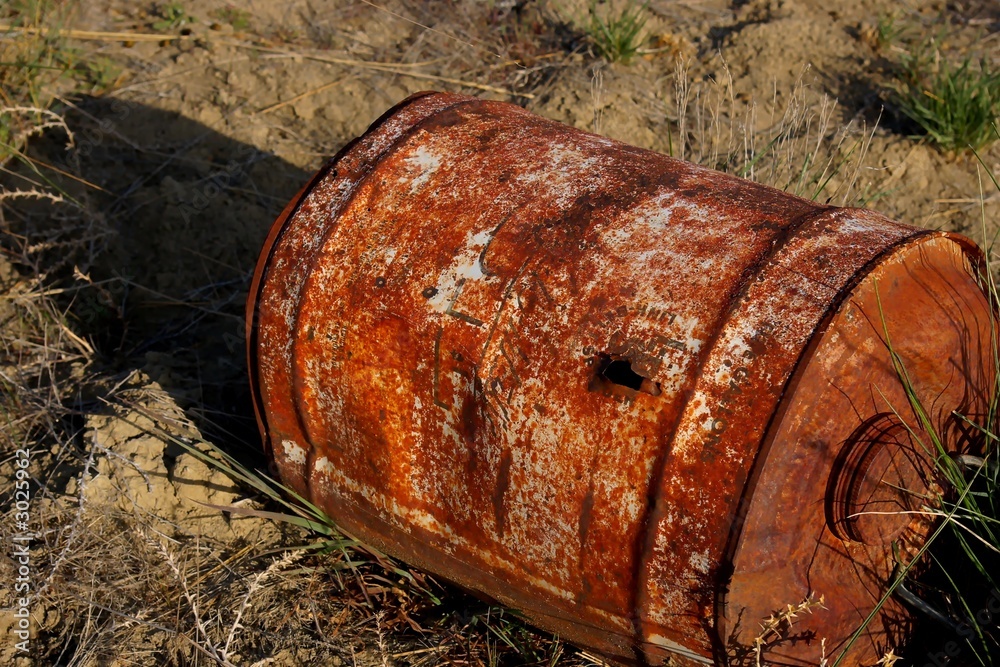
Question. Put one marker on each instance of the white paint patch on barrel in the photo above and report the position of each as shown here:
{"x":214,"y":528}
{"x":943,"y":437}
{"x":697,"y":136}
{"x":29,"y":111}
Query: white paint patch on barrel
{"x":467,"y":266}
{"x":426,"y":164}
{"x":700,"y":562}
{"x":293,"y":451}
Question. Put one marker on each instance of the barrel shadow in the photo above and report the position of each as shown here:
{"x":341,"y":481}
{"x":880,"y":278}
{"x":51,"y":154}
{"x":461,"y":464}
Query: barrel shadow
{"x":158,"y":262}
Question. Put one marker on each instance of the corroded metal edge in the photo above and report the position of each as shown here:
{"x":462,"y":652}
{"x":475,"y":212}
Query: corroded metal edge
{"x":974,"y":263}
{"x":278,"y":227}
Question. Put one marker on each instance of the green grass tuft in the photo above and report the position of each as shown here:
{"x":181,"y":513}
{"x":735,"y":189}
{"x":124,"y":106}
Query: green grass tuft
{"x":172,"y":15}
{"x":617,"y":36}
{"x":954,"y":105}
{"x":239,"y":19}
{"x":888,"y":30}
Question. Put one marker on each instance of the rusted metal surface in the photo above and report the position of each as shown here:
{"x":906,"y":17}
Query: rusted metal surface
{"x":644,"y":402}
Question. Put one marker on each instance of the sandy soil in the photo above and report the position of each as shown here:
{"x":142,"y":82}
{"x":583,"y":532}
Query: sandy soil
{"x":198,"y":144}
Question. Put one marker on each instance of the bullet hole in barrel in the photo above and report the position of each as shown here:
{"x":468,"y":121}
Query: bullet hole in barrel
{"x":429,"y":292}
{"x":618,"y":370}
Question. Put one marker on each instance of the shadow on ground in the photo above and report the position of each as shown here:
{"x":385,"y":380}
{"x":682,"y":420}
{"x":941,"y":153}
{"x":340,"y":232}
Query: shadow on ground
{"x":159,"y":261}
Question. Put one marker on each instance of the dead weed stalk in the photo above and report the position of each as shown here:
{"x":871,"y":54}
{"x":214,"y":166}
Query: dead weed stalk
{"x":800,"y":148}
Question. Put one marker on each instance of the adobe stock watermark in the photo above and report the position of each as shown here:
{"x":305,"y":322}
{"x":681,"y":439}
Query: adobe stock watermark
{"x":232,"y":175}
{"x":92,"y":136}
{"x":986,"y":617}
{"x":20,"y":553}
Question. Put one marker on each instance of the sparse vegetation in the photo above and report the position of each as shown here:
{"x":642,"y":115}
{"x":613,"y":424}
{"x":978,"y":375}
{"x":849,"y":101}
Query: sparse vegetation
{"x":802,"y":151}
{"x":101,"y":74}
{"x":955,"y":105}
{"x":36,"y":64}
{"x":239,"y":19}
{"x":952,"y":99}
{"x":172,"y":15}
{"x":617,"y":35}
{"x":887,"y":30}
{"x":29,"y":65}
{"x":965,"y":568}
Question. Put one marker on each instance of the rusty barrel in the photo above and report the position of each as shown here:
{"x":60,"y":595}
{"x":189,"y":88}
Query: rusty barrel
{"x":643,"y":402}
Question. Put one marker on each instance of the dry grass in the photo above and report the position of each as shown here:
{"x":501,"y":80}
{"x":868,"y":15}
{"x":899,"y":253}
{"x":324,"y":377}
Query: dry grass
{"x":775,"y":632}
{"x":801,"y":146}
{"x":33,"y":64}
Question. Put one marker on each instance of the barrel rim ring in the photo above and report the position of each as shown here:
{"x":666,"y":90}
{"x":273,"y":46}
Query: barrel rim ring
{"x":970,"y":251}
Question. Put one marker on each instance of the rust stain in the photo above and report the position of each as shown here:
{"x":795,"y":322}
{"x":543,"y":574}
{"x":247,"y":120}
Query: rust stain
{"x":623,"y":393}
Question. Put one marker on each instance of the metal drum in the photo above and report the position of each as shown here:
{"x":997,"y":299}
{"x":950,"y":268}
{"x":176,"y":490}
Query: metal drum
{"x":643,"y":402}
